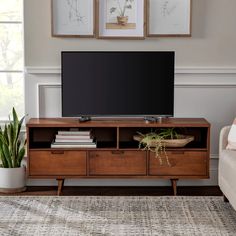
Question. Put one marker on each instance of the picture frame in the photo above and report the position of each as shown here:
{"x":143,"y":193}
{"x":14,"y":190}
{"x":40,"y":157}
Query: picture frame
{"x":169,"y":18}
{"x":121,"y":19}
{"x":73,"y":18}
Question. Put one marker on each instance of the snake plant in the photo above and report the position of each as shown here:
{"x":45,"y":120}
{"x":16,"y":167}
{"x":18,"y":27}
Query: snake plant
{"x":12,"y":147}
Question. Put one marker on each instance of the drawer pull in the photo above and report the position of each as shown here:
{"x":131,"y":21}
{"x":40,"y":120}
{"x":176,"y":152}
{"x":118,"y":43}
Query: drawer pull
{"x":178,"y":152}
{"x":57,"y":152}
{"x":118,"y":152}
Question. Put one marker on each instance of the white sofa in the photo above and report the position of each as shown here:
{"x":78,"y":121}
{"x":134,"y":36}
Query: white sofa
{"x":227,"y":168}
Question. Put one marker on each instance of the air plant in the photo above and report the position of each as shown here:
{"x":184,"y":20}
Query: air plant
{"x":154,"y":142}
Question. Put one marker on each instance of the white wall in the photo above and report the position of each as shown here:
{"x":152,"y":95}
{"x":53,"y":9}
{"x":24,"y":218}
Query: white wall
{"x":205,"y":69}
{"x":212,"y":42}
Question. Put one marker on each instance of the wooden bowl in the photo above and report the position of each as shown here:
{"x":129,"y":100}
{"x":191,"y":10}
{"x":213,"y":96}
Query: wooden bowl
{"x":180,"y":142}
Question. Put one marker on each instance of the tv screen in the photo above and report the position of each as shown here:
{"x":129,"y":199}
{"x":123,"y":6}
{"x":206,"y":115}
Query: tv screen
{"x":117,"y":83}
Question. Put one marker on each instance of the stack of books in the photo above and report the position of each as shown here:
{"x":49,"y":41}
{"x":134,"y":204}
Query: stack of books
{"x":74,"y":139}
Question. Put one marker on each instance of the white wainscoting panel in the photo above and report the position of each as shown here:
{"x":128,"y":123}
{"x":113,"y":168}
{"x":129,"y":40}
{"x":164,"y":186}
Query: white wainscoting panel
{"x":199,"y":92}
{"x":49,"y":100}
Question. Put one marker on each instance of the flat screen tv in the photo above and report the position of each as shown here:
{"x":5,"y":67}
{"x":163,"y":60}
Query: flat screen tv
{"x":109,"y":84}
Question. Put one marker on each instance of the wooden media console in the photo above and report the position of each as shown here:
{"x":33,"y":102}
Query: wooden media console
{"x":117,"y":154}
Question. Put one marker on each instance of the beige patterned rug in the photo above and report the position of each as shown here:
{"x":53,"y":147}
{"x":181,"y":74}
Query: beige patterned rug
{"x":119,"y":215}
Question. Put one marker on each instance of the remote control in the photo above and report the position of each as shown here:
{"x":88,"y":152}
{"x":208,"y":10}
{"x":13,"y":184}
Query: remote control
{"x":84,"y":118}
{"x":150,"y":119}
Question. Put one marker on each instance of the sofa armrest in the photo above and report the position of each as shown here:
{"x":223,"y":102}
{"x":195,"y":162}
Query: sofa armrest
{"x":223,"y":138}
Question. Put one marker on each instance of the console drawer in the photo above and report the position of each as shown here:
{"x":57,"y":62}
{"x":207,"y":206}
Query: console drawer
{"x":183,"y":163}
{"x":117,"y":163}
{"x":57,"y":162}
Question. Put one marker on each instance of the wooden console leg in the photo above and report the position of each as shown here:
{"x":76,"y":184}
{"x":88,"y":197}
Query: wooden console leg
{"x":225,"y":198}
{"x":174,"y":186}
{"x":60,"y":186}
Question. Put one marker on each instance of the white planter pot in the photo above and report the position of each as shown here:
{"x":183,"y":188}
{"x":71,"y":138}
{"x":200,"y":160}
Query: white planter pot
{"x":12,"y":180}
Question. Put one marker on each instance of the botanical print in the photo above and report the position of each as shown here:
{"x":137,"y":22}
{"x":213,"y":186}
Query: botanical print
{"x":121,"y":14}
{"x":121,"y":18}
{"x":74,"y":12}
{"x":169,"y":17}
{"x":168,"y":8}
{"x":73,"y":17}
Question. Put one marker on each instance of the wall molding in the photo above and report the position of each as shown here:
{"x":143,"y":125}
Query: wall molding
{"x":40,"y":88}
{"x":206,"y":70}
{"x":42,"y":70}
{"x":178,"y":70}
{"x":189,"y":77}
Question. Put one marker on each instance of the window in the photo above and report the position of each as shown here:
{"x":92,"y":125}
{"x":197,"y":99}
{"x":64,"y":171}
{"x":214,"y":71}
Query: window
{"x":11,"y":58}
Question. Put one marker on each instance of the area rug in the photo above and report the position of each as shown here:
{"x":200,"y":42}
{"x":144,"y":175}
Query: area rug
{"x":119,"y":215}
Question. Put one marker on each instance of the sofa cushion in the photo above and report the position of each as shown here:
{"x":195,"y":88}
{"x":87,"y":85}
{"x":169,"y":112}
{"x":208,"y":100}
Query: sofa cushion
{"x":232,"y":137}
{"x":227,"y":167}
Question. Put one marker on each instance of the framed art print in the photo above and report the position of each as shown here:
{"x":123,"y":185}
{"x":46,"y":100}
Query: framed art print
{"x":169,"y":18}
{"x":121,"y":19}
{"x":73,"y":18}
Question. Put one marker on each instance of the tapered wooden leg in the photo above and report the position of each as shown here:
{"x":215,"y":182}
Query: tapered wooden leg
{"x":60,"y":186}
{"x":174,"y":186}
{"x":225,"y":198}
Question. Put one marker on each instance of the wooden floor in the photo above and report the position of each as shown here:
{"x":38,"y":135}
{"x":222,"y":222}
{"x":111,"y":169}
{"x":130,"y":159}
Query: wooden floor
{"x":121,"y":191}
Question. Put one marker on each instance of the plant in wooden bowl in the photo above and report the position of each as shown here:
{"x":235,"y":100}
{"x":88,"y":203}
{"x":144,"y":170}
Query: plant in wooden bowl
{"x":158,"y":141}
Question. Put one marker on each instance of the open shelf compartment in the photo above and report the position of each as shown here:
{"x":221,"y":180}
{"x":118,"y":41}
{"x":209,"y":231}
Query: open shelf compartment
{"x":41,"y":138}
{"x":126,"y":135}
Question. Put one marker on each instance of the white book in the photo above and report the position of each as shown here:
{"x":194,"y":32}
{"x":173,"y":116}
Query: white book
{"x":53,"y":145}
{"x":85,"y":132}
{"x":73,"y":137}
{"x":73,"y":140}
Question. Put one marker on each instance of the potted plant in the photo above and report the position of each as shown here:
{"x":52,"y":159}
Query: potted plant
{"x":158,"y":141}
{"x":12,"y":151}
{"x":122,"y":19}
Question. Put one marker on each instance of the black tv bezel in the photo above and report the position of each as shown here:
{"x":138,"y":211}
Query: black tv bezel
{"x":94,"y":116}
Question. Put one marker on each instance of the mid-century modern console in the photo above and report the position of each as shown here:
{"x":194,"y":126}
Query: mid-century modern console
{"x":117,"y":155}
